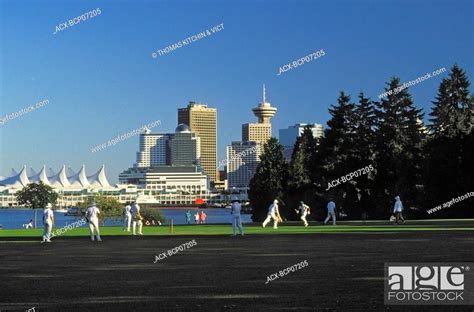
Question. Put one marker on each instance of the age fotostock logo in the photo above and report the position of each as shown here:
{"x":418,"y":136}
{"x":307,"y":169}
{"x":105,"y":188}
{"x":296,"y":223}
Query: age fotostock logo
{"x":429,"y":283}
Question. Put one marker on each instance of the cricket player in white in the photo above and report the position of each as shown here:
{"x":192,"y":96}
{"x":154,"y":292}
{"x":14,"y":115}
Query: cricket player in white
{"x":273,"y":213}
{"x":92,"y":216}
{"x":48,"y":221}
{"x":127,"y":217}
{"x":331,"y":212}
{"x":304,"y":211}
{"x":136,"y":218}
{"x":236,"y":219}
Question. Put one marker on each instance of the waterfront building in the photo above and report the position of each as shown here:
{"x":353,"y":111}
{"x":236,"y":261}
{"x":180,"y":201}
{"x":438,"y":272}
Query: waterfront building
{"x":167,"y":185}
{"x":167,"y":179}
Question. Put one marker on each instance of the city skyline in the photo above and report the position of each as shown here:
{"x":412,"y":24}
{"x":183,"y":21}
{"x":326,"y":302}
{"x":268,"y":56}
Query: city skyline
{"x":98,"y":87}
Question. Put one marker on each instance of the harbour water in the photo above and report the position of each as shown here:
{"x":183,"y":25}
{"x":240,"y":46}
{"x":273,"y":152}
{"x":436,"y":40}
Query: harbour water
{"x":14,"y":218}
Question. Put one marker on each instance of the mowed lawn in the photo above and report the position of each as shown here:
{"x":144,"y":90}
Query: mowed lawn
{"x":254,"y":229}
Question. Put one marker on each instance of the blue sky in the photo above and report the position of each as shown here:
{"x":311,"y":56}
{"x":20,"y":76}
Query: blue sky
{"x":101,"y":80}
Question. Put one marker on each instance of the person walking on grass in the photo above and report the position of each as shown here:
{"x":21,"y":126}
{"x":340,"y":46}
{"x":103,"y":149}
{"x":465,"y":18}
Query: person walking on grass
{"x":136,"y":219}
{"x":236,"y":219}
{"x":188,"y":217}
{"x":92,"y":217}
{"x":397,"y":210}
{"x":303,"y":211}
{"x":273,"y":213}
{"x":331,"y":212}
{"x":48,"y":221}
{"x":127,"y":217}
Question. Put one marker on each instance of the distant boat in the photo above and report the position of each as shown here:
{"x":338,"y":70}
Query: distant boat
{"x":61,"y":210}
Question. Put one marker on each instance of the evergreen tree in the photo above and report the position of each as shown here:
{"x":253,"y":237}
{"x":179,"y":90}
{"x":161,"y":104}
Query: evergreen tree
{"x":399,"y":138}
{"x":453,"y":111}
{"x":335,"y":153}
{"x":363,"y":154}
{"x":269,"y":180}
{"x":449,"y":168}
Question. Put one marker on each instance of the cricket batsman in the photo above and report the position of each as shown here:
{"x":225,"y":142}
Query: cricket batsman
{"x":92,"y":217}
{"x":274,"y":214}
{"x":304,"y":211}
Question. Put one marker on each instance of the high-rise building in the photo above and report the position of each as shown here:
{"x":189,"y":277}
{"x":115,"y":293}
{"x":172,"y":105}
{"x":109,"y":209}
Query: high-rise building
{"x":287,"y":137}
{"x":203,"y":121}
{"x":262,"y":131}
{"x":184,"y":147}
{"x":153,"y":150}
{"x":243,"y":157}
{"x":242,"y":162}
{"x":162,"y":149}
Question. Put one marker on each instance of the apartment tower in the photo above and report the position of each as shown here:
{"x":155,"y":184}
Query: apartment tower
{"x":202,"y":120}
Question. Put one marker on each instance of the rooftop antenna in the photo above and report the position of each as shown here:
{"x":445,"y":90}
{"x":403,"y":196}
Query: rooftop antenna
{"x":264,"y":100}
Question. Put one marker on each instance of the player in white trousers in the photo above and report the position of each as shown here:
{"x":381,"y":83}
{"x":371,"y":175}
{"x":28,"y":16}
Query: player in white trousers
{"x":136,"y":219}
{"x":236,"y":219}
{"x":48,"y":221}
{"x":331,"y":212}
{"x":127,"y":217}
{"x":304,"y":211}
{"x":274,"y":214}
{"x":92,"y":217}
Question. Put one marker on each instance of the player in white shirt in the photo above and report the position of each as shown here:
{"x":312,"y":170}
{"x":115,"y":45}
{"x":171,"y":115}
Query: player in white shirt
{"x":92,"y":216}
{"x":136,"y":218}
{"x":331,"y":212}
{"x":127,"y":217}
{"x":274,"y":214}
{"x":303,"y":211}
{"x":236,"y":219}
{"x":48,"y":221}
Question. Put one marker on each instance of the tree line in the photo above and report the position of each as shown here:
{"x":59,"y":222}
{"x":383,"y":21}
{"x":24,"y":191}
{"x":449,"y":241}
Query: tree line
{"x":424,"y":165}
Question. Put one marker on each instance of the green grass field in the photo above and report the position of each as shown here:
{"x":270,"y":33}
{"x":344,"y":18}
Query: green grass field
{"x":220,"y":229}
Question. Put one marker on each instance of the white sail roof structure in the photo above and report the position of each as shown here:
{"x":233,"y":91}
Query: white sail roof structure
{"x":99,"y":179}
{"x":59,"y":180}
{"x":41,"y":176}
{"x":79,"y":180}
{"x":19,"y":180}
